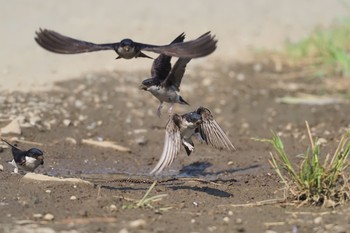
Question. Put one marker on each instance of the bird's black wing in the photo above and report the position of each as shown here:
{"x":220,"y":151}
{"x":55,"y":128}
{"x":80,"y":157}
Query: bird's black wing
{"x":172,"y":144}
{"x":58,"y":43}
{"x":200,"y":47}
{"x":161,"y":65}
{"x":175,"y":76}
{"x":211,"y":132}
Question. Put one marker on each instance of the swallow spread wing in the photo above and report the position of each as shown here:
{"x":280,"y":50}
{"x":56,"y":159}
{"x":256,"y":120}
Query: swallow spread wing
{"x":25,"y":160}
{"x":172,"y":144}
{"x":166,"y":80}
{"x":177,"y":72}
{"x":161,"y":66}
{"x":181,"y":129}
{"x":126,"y":48}
{"x":211,"y":132}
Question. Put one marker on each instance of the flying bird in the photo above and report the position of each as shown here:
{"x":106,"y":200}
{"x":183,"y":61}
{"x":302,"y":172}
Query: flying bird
{"x":126,"y":48}
{"x":181,"y":128}
{"x":25,"y":160}
{"x":166,"y":80}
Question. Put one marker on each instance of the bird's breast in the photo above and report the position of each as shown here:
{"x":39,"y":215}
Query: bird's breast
{"x":187,"y":133}
{"x":128,"y":53}
{"x":164,"y":94}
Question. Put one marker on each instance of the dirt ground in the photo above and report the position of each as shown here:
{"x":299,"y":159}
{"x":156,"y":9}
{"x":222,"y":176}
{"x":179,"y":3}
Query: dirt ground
{"x":204,"y":191}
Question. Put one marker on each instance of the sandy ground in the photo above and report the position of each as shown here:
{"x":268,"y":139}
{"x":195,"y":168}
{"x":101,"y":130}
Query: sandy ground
{"x":240,"y":26}
{"x":209,"y":191}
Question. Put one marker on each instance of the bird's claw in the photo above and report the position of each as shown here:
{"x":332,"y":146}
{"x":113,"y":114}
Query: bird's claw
{"x":170,"y":110}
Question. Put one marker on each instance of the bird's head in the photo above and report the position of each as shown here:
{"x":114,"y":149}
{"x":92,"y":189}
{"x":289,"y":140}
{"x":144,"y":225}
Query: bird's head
{"x":36,"y":153}
{"x":192,"y":119}
{"x":147,"y":83}
{"x":127,"y":44}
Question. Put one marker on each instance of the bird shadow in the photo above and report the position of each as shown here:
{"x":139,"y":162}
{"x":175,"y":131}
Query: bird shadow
{"x":198,"y":169}
{"x":205,"y":189}
{"x":195,"y":172}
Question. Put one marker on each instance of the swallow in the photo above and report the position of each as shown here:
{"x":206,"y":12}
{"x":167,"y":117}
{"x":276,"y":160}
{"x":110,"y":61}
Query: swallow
{"x":165,"y":81}
{"x":181,"y":128}
{"x":25,"y":160}
{"x":126,"y":48}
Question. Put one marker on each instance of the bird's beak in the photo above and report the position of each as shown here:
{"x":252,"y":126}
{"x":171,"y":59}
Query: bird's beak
{"x":143,"y":87}
{"x":41,"y":158}
{"x":199,"y":122}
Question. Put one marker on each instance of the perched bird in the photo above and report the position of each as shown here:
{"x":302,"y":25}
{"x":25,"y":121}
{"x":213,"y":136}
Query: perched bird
{"x":165,"y":81}
{"x":126,"y":48}
{"x":25,"y":160}
{"x":180,"y":129}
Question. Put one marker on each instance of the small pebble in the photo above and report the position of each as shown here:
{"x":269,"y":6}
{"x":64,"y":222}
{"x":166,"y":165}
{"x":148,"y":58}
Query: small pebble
{"x":318,"y":220}
{"x":73,"y":198}
{"x":113,"y":207}
{"x":239,"y":221}
{"x":329,"y":226}
{"x":141,"y":141}
{"x":240,"y":77}
{"x":230,"y":213}
{"x":321,"y":141}
{"x":71,"y":140}
{"x":257,"y":67}
{"x":49,"y":217}
{"x":66,"y":122}
{"x":47,"y":191}
{"x":289,"y":126}
{"x":1,"y":167}
{"x":226,"y":219}
{"x":339,"y":229}
{"x":217,"y":110}
{"x":139,"y":223}
{"x":193,"y":220}
{"x":124,"y":230}
{"x":37,"y":216}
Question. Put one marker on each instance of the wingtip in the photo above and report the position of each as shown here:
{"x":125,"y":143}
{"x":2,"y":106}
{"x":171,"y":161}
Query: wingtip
{"x":155,"y":171}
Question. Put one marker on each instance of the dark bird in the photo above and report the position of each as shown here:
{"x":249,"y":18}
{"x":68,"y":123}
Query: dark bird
{"x":181,"y":128}
{"x":165,"y":81}
{"x":126,"y":48}
{"x":25,"y":160}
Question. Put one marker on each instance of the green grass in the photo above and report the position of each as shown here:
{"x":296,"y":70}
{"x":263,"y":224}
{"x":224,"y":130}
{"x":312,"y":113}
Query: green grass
{"x":146,"y":201}
{"x":313,"y":182}
{"x":327,"y":50}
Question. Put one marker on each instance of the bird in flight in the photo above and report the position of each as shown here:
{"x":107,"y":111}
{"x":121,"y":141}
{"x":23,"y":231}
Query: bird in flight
{"x":165,"y":81}
{"x":126,"y":48}
{"x":181,"y":128}
{"x":25,"y":160}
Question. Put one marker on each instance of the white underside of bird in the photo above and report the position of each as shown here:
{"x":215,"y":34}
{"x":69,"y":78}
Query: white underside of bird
{"x":30,"y":165}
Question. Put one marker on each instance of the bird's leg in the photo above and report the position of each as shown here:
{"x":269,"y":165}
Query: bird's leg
{"x":160,"y":109}
{"x":199,"y":137}
{"x":171,"y":109}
